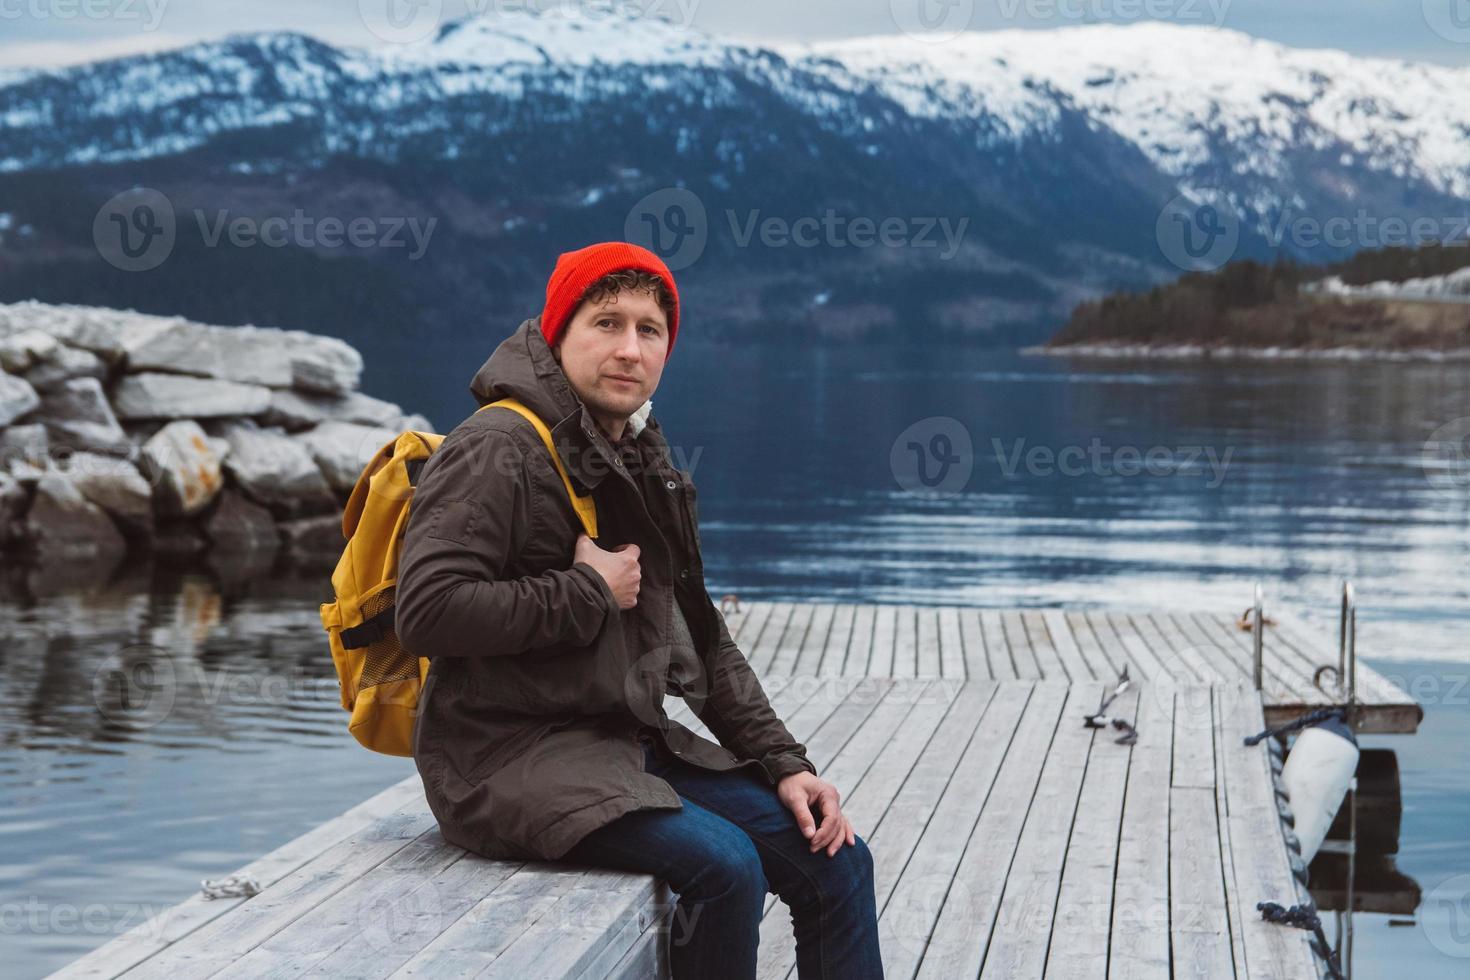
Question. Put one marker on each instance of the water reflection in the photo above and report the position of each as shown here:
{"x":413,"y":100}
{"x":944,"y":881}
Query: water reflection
{"x":160,"y":726}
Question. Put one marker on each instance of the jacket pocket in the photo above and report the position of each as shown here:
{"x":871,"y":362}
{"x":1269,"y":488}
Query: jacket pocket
{"x":497,"y":753}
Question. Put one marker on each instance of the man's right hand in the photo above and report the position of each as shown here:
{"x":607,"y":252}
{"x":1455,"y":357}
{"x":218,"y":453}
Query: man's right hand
{"x":618,"y":568}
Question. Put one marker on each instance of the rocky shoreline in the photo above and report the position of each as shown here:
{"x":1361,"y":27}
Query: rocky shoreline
{"x":126,"y":433}
{"x":1185,"y":352}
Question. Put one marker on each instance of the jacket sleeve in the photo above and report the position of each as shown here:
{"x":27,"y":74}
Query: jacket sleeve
{"x":470,"y":515}
{"x":741,"y":717}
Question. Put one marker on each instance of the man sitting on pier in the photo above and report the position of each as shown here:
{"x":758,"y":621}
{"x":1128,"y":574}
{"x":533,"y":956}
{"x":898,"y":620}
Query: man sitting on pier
{"x":542,"y":732}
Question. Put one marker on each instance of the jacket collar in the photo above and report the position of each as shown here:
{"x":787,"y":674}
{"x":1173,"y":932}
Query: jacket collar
{"x":523,"y":367}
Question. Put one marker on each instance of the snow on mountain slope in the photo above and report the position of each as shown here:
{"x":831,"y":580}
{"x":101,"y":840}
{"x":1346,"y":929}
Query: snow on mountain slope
{"x":1185,"y":94}
{"x":1267,"y":127}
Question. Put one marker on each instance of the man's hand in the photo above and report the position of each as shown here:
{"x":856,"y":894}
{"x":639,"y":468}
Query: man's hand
{"x":799,"y":791}
{"x":619,"y":568}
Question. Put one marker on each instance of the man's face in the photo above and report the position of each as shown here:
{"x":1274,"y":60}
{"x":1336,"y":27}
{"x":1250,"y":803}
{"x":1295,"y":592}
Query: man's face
{"x":624,"y":337}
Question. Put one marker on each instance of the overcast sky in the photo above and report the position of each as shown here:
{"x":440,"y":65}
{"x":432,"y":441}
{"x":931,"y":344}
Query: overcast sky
{"x":58,"y":32}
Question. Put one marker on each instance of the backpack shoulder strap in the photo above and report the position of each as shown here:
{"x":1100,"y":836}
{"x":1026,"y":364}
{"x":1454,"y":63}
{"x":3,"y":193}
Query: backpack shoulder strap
{"x":583,"y":504}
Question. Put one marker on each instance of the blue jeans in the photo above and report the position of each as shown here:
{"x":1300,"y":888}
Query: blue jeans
{"x":734,"y":841}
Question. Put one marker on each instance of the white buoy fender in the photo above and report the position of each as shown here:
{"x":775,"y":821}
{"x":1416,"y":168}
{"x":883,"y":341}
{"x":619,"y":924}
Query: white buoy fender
{"x":1318,"y":771}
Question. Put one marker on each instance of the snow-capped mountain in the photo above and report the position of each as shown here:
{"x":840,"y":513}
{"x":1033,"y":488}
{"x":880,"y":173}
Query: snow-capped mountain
{"x":1199,"y":102}
{"x":526,"y":132}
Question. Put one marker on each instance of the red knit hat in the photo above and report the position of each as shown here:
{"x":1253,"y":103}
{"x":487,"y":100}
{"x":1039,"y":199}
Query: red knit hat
{"x":575,"y":271}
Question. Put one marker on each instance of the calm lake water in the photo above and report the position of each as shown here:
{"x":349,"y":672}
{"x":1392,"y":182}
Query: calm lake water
{"x":882,"y":475}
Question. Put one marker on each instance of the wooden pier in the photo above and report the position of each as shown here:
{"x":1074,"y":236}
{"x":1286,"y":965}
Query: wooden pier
{"x":1009,"y":839}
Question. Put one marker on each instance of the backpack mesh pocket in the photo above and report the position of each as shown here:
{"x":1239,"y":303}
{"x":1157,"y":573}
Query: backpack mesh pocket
{"x":385,"y":660}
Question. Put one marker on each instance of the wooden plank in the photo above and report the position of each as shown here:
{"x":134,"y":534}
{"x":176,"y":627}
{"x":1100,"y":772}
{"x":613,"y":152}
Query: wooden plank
{"x":1104,"y":663}
{"x":997,"y":650}
{"x":782,"y":657}
{"x":838,"y":640}
{"x":1259,"y":867}
{"x":1227,"y":860}
{"x":951,"y":644}
{"x":1028,"y":665}
{"x":956,"y":942}
{"x":1022,"y":935}
{"x":227,"y":938}
{"x":972,"y":636}
{"x":927,"y":654}
{"x":867,"y":771}
{"x":1282,"y":681}
{"x":745,"y":626}
{"x":1233,"y":666}
{"x":1116,"y":631}
{"x":176,"y":923}
{"x":809,"y":657}
{"x":577,"y":929}
{"x":759,"y":651}
{"x":1088,"y":663}
{"x":1064,"y":652}
{"x":1169,"y":642}
{"x":1194,"y":736}
{"x":880,"y":660}
{"x":905,"y":641}
{"x":860,"y":647}
{"x":471,"y":944}
{"x":1199,"y":929}
{"x":1081,"y":928}
{"x":1139,"y":930}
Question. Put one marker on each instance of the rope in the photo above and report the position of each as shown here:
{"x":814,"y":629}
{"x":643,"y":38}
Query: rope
{"x":235,"y":886}
{"x":1304,"y":917}
{"x":1305,"y":721}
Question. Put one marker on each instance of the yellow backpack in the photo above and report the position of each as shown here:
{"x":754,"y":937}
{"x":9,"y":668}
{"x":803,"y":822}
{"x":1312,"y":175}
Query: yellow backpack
{"x":381,"y":682}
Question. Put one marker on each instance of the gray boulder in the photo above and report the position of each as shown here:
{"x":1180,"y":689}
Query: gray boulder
{"x":26,"y":442}
{"x":342,"y":449}
{"x":237,"y":525}
{"x":174,"y":396}
{"x":275,"y":469}
{"x":91,"y":328}
{"x":77,"y":416}
{"x":249,"y":355}
{"x":63,"y":363}
{"x":296,"y":410}
{"x":24,"y":348}
{"x":186,"y":465}
{"x":17,"y":397}
{"x":63,"y":524}
{"x":313,"y":537}
{"x":116,"y":486}
{"x":12,"y":502}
